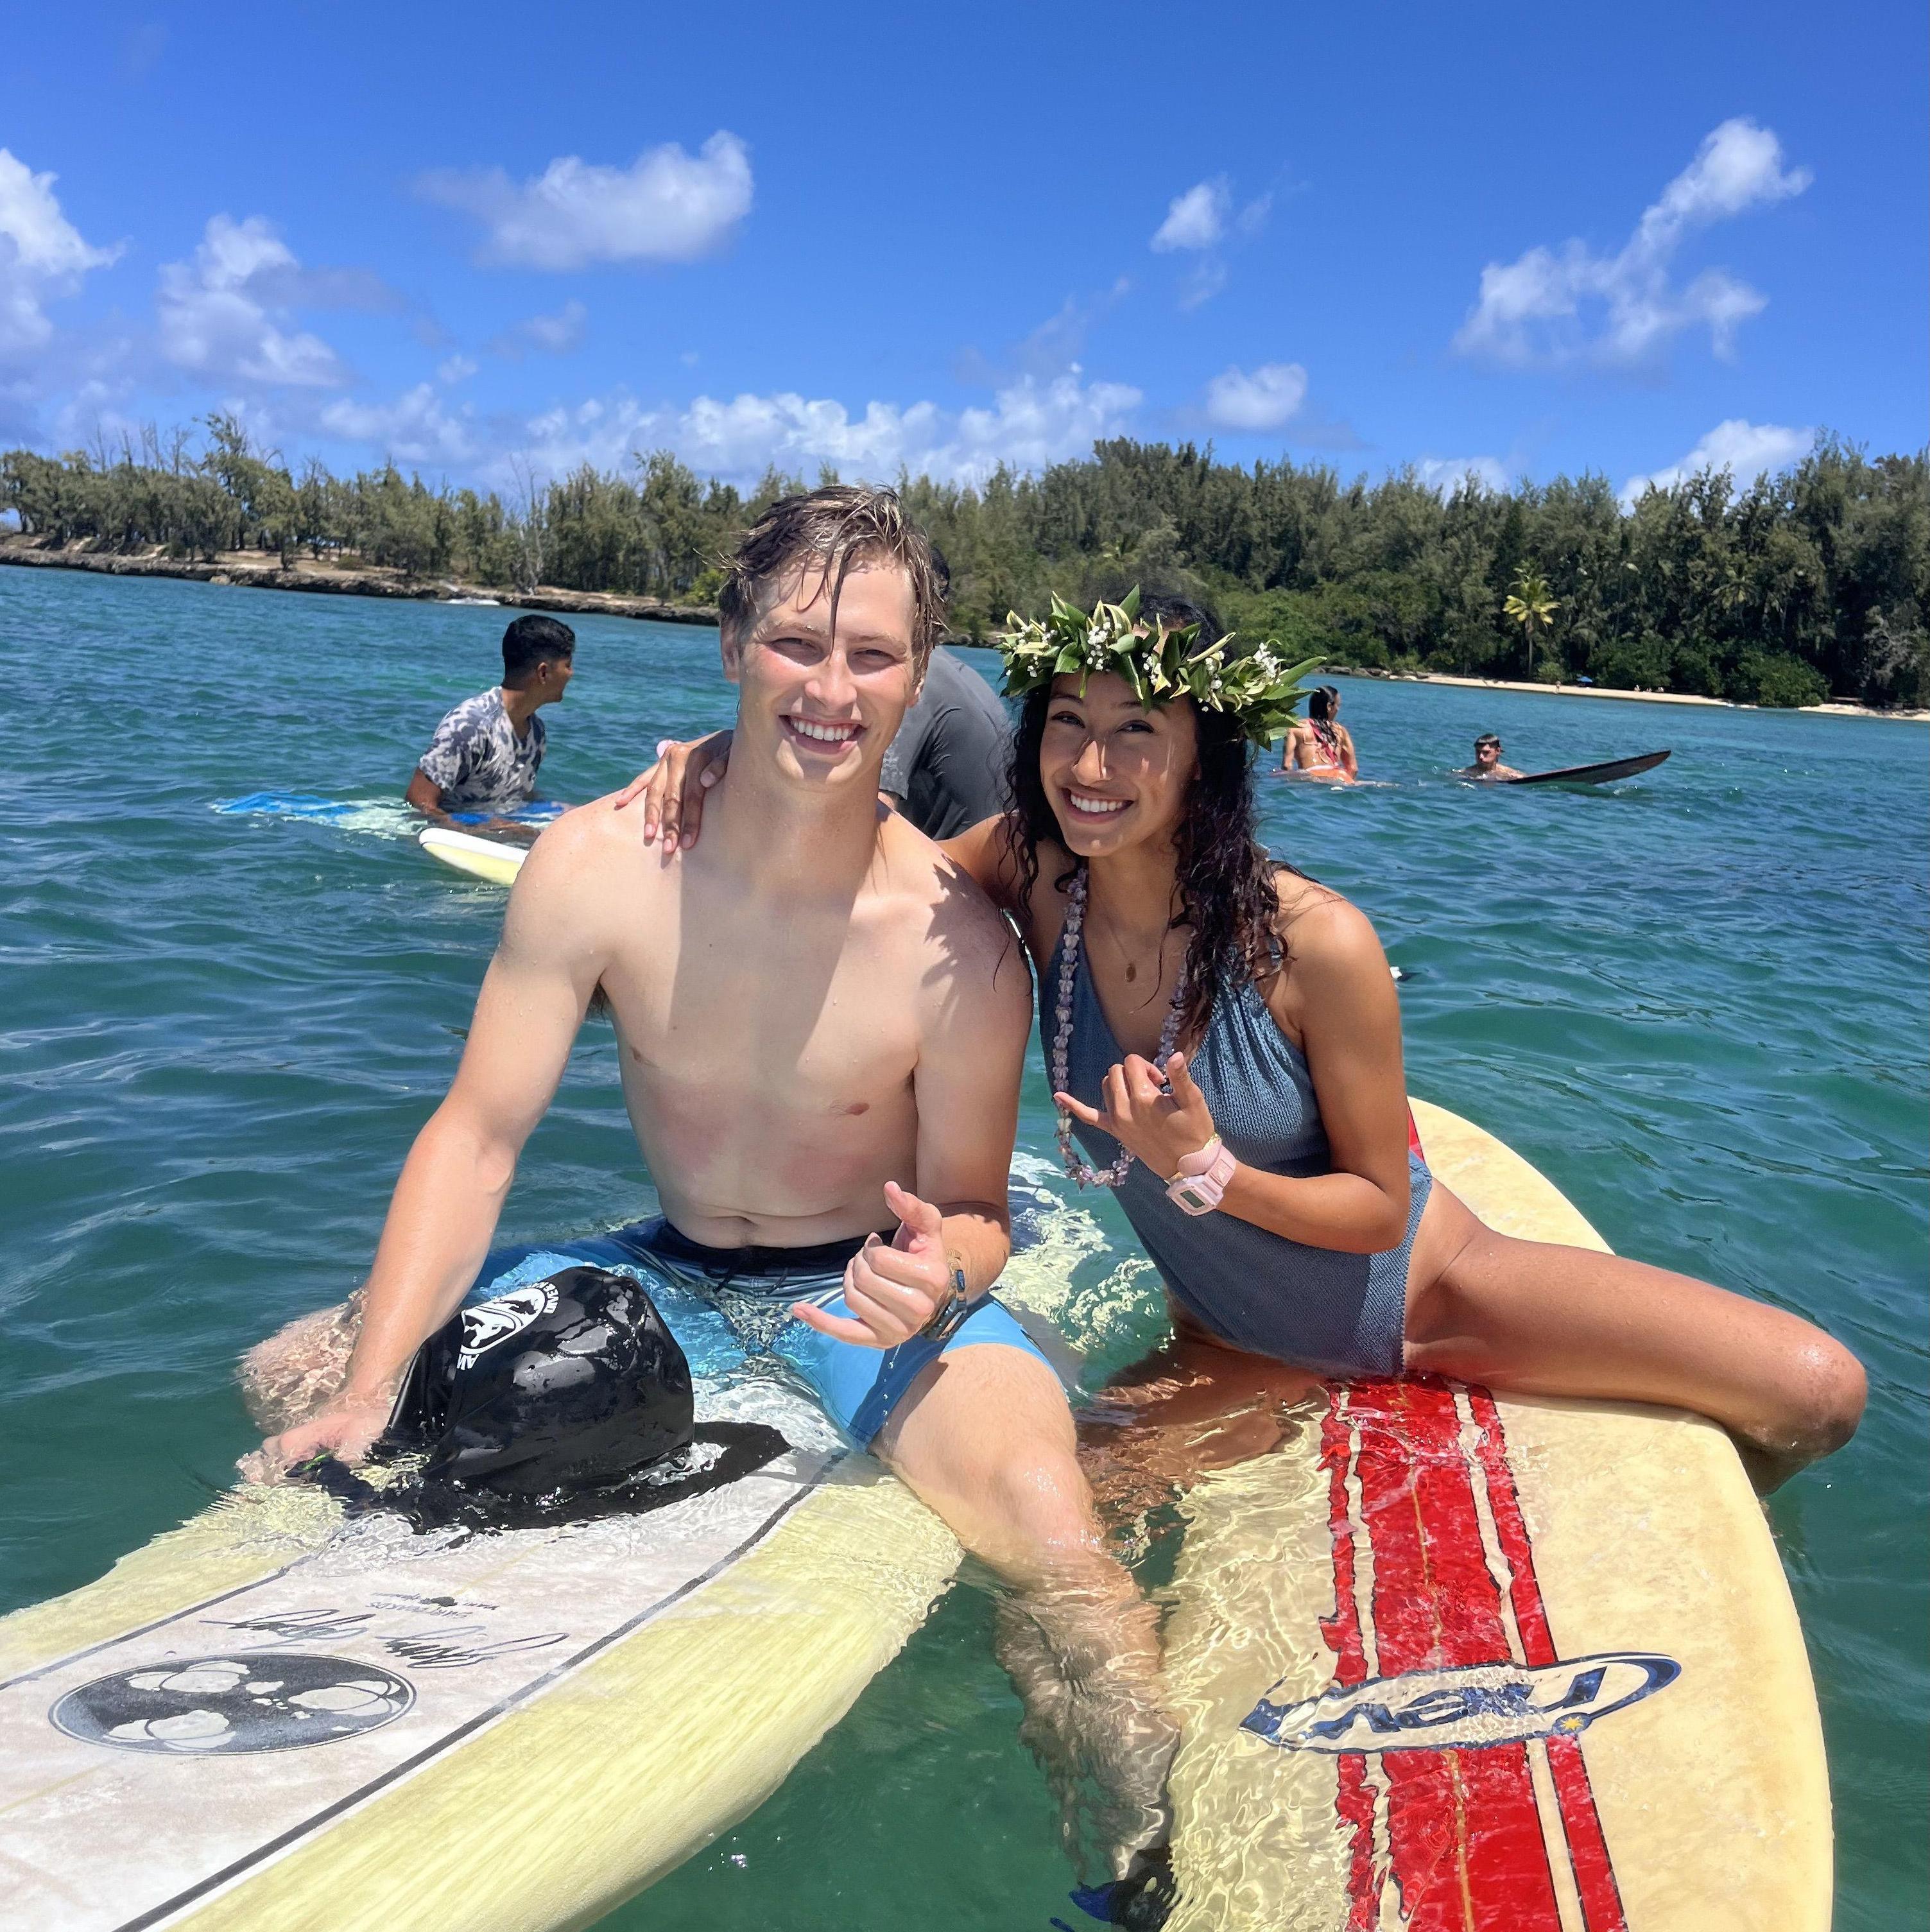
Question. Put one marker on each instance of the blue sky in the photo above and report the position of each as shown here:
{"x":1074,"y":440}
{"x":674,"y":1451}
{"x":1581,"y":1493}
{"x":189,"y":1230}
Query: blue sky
{"x":1525,"y":239}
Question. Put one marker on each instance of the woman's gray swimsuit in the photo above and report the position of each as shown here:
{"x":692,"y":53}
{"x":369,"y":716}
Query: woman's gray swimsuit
{"x":1340,"y":1313}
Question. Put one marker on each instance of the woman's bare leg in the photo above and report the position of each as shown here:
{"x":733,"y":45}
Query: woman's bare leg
{"x":1544,"y":1320}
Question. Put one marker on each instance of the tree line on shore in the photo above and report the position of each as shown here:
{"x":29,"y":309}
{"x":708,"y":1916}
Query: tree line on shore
{"x":1812,"y":582}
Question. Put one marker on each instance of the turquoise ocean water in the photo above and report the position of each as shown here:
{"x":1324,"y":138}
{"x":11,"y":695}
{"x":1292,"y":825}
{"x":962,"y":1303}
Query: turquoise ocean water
{"x":1698,"y":1003}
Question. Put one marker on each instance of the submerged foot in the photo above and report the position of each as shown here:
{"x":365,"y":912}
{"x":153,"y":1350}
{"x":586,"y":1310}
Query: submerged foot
{"x":1141,"y":1900}
{"x":1086,"y":1666}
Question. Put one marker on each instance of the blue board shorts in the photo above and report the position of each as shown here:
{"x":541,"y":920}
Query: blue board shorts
{"x":730,"y":1306}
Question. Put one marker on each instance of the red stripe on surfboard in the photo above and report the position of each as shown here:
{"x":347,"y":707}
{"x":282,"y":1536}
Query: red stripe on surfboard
{"x":1466,"y":1830}
{"x":1588,"y":1846}
{"x":1354,"y":1801}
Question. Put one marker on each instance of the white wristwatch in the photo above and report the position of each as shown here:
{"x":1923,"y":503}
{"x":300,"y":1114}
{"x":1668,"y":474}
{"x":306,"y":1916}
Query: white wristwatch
{"x":1200,"y":1185}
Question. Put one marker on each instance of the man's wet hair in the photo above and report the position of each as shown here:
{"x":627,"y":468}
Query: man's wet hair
{"x":828,"y":531}
{"x":1488,"y":738}
{"x":530,"y":641}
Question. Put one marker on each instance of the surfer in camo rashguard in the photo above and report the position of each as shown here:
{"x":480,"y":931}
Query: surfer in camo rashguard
{"x":487,"y":752}
{"x":1223,"y":1042}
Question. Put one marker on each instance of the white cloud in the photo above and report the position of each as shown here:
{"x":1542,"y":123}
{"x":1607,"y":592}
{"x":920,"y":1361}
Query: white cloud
{"x":1030,"y":423}
{"x":1254,"y":216}
{"x":1573,"y":306}
{"x":226,"y":314}
{"x":1266,"y":399}
{"x":42,"y":255}
{"x":549,"y":335}
{"x":1744,"y":449}
{"x":666,"y":206}
{"x":416,"y":428}
{"x":1197,"y":219}
{"x":1448,"y":473}
{"x":1052,"y":348}
{"x":1208,"y":278}
{"x":458,"y":368}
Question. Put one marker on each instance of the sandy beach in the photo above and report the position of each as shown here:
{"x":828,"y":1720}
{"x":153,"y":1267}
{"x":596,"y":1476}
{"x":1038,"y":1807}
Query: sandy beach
{"x":1633,"y":697}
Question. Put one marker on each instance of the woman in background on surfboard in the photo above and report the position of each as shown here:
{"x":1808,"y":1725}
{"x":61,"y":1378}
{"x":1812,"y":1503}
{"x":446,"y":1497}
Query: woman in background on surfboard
{"x":1319,"y":746}
{"x":1223,"y":1040}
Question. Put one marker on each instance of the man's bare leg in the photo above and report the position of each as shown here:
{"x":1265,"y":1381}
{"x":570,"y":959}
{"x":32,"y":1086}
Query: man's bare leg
{"x":986,"y":1441}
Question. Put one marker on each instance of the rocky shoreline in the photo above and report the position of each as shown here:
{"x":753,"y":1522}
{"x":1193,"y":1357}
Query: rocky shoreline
{"x":258,"y":570}
{"x":262,"y":570}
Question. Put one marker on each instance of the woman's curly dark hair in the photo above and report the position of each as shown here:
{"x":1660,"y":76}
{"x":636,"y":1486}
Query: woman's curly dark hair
{"x":1225,"y":878}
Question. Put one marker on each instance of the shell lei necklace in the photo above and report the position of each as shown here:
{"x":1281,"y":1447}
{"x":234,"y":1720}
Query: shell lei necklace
{"x":1076,"y":1169}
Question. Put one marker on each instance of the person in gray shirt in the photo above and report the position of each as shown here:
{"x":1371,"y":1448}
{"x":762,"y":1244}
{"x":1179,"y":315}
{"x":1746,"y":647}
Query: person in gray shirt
{"x":946,"y":768}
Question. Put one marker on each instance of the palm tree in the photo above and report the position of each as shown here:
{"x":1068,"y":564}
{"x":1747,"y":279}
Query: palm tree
{"x":1531,"y":607}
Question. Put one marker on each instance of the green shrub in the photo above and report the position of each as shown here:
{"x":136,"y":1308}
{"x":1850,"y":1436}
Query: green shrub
{"x":1632,"y":664}
{"x":1777,"y":680}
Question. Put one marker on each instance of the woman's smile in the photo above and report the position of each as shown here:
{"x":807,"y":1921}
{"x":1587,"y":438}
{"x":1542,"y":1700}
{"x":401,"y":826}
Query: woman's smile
{"x":1085,"y":804}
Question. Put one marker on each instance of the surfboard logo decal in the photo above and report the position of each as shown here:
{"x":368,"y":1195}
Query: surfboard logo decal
{"x":489,"y":1322}
{"x":233,"y":1706}
{"x":1466,"y":1708}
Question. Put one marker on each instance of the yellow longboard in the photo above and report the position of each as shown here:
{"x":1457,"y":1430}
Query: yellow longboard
{"x":1449,"y":1663}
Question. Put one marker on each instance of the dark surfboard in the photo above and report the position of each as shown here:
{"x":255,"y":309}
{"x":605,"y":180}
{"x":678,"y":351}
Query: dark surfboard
{"x":1603,"y":774}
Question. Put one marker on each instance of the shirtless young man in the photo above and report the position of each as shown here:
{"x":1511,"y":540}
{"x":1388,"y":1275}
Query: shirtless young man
{"x":821,"y":1022}
{"x":1487,"y":763}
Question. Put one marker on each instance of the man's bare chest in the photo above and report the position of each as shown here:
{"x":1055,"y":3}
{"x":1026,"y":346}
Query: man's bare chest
{"x":807,"y":1021}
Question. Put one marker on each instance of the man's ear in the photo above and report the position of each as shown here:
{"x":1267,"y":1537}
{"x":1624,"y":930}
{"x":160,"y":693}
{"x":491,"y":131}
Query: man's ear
{"x":730,"y":649}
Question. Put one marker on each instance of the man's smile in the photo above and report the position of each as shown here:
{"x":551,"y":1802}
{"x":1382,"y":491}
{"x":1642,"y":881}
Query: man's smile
{"x":822,"y":735}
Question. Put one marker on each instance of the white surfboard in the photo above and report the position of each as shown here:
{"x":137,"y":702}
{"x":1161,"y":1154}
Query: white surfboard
{"x":270,"y":1721}
{"x":496,"y":860}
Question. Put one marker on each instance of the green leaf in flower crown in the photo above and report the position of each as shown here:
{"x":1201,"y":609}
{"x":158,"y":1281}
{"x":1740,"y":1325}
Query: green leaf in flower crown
{"x":1160,"y":664}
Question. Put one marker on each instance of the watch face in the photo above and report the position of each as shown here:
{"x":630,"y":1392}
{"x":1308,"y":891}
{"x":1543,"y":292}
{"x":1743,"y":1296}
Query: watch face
{"x":1188,"y":1194}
